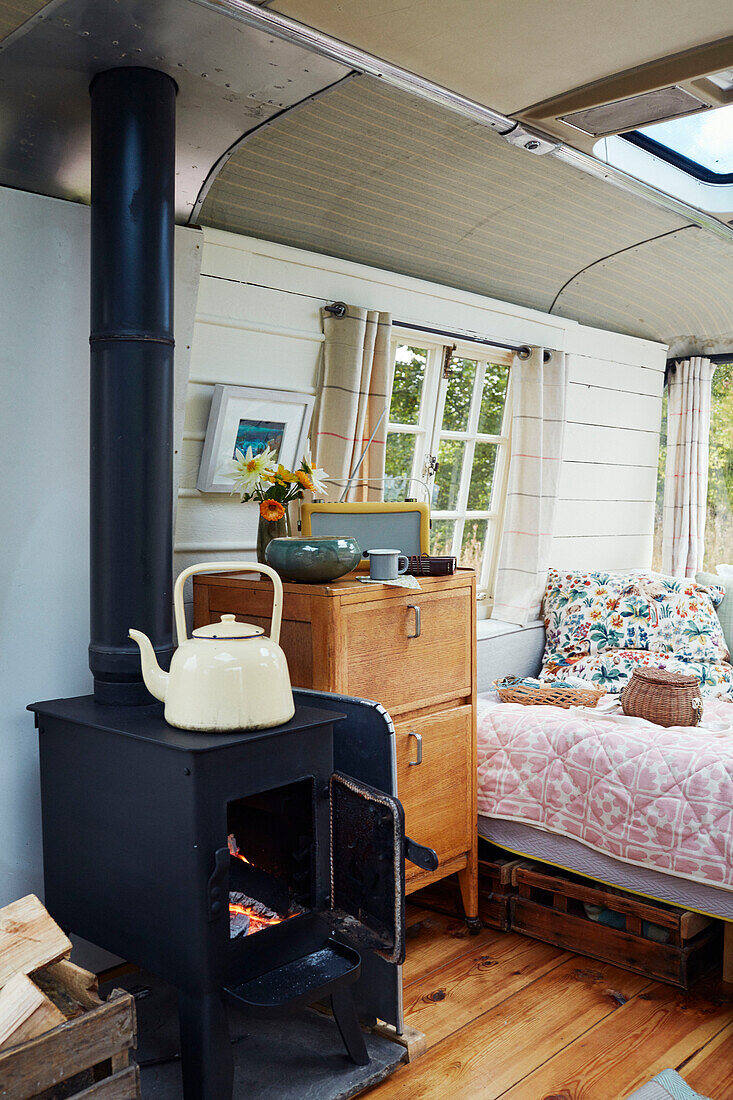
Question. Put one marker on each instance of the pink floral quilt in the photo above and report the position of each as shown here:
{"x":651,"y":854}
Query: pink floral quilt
{"x":660,"y":798}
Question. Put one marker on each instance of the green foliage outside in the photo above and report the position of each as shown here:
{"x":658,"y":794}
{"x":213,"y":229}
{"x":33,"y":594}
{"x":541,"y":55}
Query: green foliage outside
{"x":458,"y":395}
{"x":409,"y":376}
{"x":719,"y":523}
{"x":493,"y":399}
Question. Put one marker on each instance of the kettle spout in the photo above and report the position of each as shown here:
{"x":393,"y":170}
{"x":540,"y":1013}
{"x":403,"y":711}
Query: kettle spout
{"x":153,"y":675}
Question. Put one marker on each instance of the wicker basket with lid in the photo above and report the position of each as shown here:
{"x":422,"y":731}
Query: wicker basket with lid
{"x":665,"y":698}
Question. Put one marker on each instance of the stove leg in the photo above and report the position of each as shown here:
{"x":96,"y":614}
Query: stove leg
{"x":206,"y":1053}
{"x":344,"y":1013}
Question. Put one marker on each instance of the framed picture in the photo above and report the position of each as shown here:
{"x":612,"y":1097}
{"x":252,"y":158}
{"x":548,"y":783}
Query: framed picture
{"x":243,"y":417}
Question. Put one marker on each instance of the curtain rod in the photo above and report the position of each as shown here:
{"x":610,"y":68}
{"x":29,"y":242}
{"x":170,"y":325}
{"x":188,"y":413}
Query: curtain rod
{"x":517,"y":348}
{"x":338,"y":309}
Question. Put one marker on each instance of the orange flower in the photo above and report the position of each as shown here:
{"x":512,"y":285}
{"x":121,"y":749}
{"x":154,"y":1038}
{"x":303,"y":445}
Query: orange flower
{"x":304,"y":480}
{"x":272,"y":510}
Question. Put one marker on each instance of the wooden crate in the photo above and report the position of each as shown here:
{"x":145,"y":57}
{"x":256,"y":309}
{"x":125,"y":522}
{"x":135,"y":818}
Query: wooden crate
{"x":495,"y":888}
{"x":549,"y":906}
{"x":86,"y":1058}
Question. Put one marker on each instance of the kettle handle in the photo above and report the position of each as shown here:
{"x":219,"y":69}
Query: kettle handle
{"x":221,"y":566}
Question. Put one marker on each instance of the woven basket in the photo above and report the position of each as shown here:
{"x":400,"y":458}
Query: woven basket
{"x":665,"y":698}
{"x":558,"y":694}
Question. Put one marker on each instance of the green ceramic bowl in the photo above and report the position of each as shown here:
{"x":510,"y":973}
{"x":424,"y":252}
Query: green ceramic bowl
{"x":313,"y":560}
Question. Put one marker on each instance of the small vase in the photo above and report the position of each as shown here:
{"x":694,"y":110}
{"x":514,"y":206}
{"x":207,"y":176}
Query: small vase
{"x":269,"y":529}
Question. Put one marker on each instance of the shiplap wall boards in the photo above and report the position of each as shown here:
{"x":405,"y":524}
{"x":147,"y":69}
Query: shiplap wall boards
{"x":258,"y":323}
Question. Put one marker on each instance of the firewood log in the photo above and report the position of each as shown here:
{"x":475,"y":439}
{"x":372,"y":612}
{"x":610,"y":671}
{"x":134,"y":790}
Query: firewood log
{"x":25,"y":1011}
{"x":29,"y":938}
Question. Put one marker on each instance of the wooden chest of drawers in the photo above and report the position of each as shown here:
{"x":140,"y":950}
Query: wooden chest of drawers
{"x":415,"y":653}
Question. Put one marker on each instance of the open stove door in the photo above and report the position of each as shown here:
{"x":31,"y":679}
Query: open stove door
{"x":368,"y":849}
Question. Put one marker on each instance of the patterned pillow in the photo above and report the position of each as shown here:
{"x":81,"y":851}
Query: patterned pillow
{"x":588,"y":613}
{"x":612,"y":669}
{"x":725,"y":608}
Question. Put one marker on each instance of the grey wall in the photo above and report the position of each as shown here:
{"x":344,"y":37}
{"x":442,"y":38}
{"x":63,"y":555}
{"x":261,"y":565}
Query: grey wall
{"x":44,"y":456}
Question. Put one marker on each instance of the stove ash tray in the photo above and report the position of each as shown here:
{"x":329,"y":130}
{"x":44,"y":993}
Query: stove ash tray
{"x":310,"y":978}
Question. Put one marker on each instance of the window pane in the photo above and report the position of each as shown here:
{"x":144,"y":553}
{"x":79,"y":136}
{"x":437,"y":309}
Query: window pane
{"x":659,"y":507}
{"x":447,"y":482}
{"x":482,"y":477}
{"x":407,"y":387}
{"x":703,"y":139}
{"x":719,"y":524}
{"x":398,"y":465}
{"x":441,"y":537}
{"x":473,"y":542}
{"x":458,"y":397}
{"x":492,"y":399}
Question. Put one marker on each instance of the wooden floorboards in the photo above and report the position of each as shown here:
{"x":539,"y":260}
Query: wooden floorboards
{"x":510,"y":1018}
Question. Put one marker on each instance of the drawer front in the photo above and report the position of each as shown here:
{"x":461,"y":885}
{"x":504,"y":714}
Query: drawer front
{"x":437,"y":792}
{"x":386,"y":661}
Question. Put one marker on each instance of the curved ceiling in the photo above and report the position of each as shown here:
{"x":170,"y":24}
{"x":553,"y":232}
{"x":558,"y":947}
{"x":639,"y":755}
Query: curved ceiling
{"x":679,"y":285}
{"x":511,"y":55}
{"x":371,"y":174}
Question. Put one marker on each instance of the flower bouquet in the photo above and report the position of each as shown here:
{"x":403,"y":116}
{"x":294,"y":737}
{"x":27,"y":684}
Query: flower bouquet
{"x":257,"y":477}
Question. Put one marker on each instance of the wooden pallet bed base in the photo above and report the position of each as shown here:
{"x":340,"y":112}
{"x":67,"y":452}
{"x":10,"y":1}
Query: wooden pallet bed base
{"x":550,"y":907}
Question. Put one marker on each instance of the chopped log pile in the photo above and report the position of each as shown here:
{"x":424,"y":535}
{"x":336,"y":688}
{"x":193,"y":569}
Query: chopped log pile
{"x":30,"y":942}
{"x":54,"y":1028}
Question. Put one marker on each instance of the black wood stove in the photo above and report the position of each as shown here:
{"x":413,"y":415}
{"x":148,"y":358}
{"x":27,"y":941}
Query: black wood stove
{"x":233,"y":866}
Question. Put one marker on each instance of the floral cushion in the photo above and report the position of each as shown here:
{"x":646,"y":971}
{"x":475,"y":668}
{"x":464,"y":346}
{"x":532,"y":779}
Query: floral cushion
{"x":612,"y":669}
{"x":591,"y":613}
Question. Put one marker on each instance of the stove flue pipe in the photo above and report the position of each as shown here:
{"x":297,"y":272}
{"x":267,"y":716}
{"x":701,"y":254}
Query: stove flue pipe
{"x":132,"y":224}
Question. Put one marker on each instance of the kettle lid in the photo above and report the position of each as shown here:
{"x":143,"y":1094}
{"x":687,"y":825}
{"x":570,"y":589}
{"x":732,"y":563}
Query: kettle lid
{"x":228,"y":628}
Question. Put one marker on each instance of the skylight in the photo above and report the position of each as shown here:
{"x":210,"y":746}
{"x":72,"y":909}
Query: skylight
{"x":700,"y":144}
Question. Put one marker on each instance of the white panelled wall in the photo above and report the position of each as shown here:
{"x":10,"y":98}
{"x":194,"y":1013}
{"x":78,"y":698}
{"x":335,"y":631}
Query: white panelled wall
{"x":258,"y":323}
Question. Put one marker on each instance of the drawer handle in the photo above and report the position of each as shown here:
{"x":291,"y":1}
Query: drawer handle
{"x":418,"y":739}
{"x":418,"y":626}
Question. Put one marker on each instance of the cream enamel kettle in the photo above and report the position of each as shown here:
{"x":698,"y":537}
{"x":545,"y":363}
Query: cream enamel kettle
{"x":227,"y":676}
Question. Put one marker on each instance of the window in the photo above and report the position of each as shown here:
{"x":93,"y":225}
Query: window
{"x":449,"y":430}
{"x":700,"y":144}
{"x":719,"y":518}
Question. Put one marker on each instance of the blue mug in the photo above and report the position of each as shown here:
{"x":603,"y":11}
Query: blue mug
{"x":386,"y":565}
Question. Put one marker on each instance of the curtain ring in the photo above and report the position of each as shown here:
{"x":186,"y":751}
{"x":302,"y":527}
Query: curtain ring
{"x":524,"y":352}
{"x":546,"y":356}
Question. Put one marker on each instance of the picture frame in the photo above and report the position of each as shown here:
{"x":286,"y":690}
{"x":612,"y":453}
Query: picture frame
{"x":243,"y":416}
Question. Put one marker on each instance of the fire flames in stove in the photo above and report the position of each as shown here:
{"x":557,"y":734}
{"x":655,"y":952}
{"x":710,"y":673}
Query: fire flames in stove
{"x":247,"y":914}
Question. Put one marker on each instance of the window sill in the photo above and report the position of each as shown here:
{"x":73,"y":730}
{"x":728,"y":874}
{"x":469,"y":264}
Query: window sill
{"x":495,"y":628}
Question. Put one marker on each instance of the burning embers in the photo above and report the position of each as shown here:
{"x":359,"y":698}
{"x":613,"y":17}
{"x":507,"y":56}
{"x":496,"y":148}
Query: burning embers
{"x":257,"y":899}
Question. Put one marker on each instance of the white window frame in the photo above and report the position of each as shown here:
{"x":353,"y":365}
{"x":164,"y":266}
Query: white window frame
{"x":428,"y":434}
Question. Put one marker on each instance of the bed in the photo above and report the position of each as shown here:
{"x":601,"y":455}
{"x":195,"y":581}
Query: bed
{"x":619,"y":800}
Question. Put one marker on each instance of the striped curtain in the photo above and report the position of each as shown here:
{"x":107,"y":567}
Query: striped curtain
{"x":354,"y":392}
{"x":686,"y":473}
{"x":538,"y":429}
